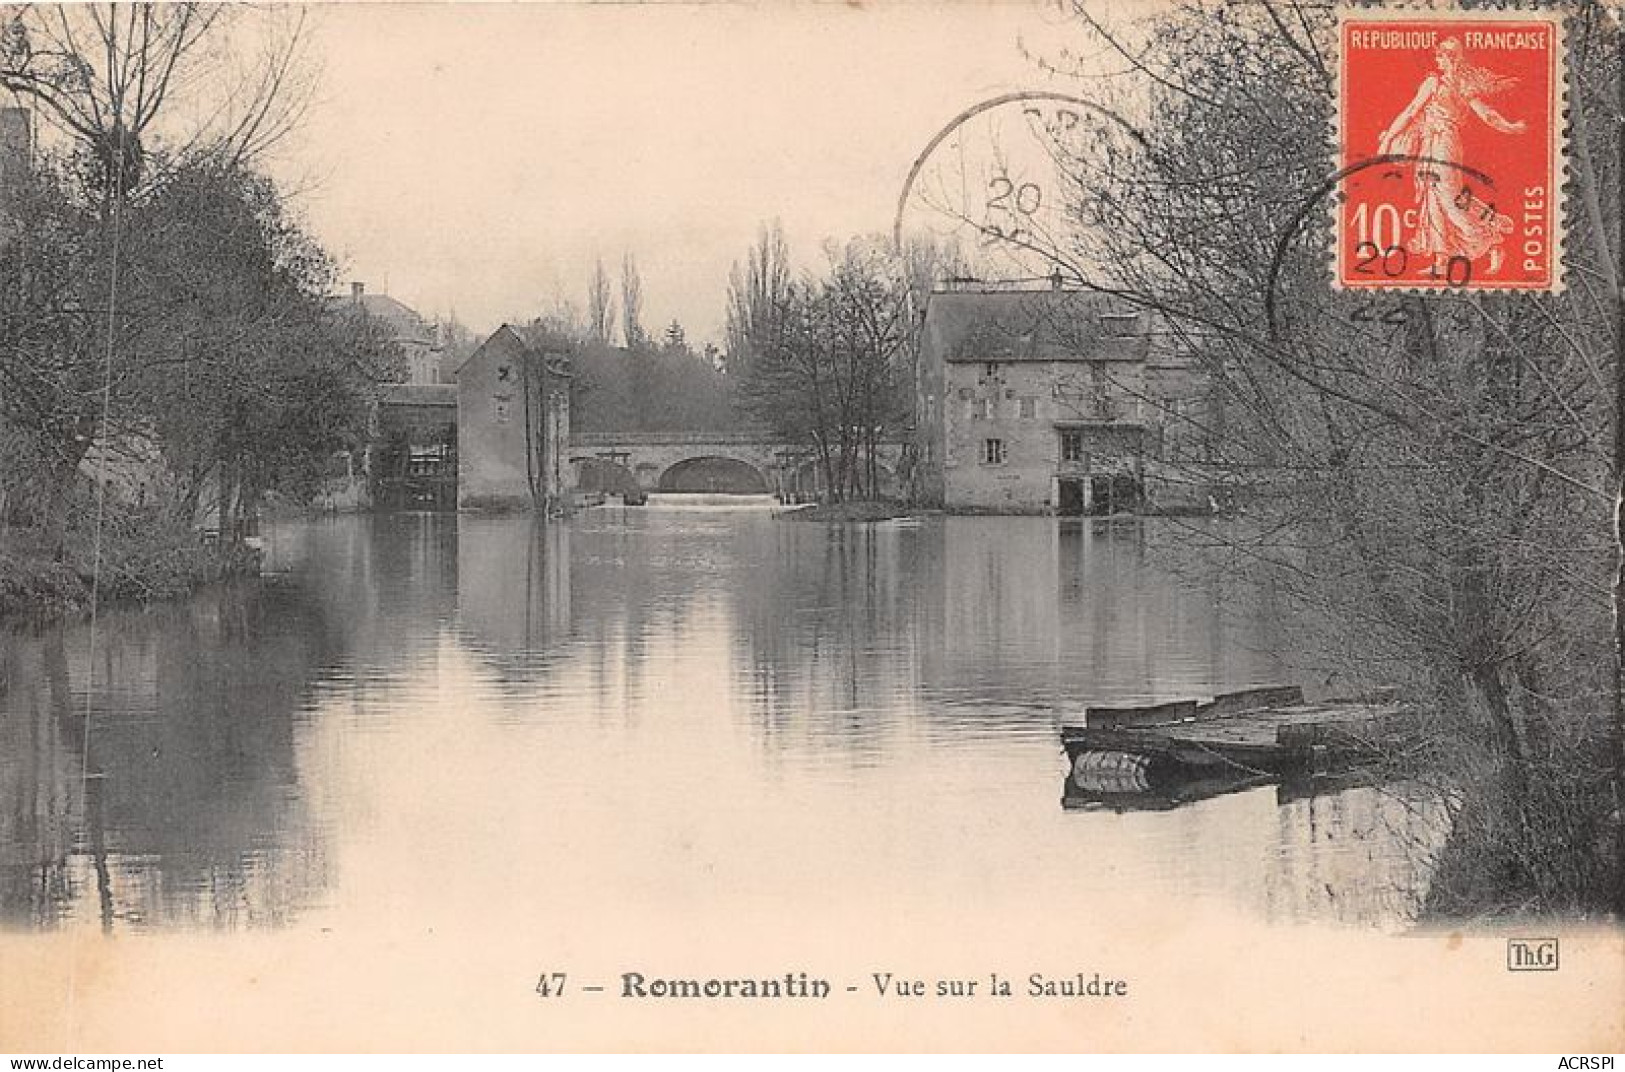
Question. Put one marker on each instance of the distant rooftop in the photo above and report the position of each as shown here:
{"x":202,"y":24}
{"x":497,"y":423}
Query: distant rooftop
{"x":402,"y":320}
{"x":998,"y":323}
{"x":506,"y":341}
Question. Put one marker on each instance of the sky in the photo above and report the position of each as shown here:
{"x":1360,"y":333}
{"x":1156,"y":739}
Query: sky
{"x":476,"y":159}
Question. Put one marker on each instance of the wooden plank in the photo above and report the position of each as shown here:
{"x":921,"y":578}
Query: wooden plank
{"x":1230,"y":703}
{"x":1260,"y":731}
{"x":1224,"y":705}
{"x":1143,"y":715}
{"x":1358,"y":733}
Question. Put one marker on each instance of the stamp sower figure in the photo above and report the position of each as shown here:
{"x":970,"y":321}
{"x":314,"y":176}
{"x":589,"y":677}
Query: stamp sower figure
{"x":1450,"y":220}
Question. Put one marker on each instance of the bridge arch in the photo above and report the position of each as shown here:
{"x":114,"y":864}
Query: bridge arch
{"x":716,"y":474}
{"x":605,"y":475}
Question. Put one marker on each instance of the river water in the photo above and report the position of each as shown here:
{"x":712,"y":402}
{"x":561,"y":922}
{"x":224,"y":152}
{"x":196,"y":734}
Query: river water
{"x":690,"y":704}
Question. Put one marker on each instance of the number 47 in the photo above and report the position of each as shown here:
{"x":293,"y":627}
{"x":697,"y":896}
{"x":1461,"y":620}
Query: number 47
{"x":550,"y":985}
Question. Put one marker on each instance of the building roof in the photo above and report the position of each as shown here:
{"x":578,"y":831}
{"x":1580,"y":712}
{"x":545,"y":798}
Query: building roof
{"x":1035,"y":325}
{"x":506,"y":340}
{"x":403,"y":322}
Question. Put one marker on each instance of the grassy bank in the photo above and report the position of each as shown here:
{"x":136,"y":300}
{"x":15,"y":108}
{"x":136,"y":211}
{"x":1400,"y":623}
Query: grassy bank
{"x":1539,"y":840}
{"x":141,"y":559}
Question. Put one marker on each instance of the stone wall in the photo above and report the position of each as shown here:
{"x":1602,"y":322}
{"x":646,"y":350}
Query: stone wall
{"x":1015,"y":407}
{"x":491,"y":413}
{"x":1026,"y":406}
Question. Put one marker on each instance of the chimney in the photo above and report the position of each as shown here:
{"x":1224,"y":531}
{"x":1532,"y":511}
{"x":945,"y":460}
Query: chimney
{"x":357,"y":289}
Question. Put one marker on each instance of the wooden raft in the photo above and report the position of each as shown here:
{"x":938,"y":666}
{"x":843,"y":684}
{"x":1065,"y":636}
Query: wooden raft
{"x":1260,"y":731}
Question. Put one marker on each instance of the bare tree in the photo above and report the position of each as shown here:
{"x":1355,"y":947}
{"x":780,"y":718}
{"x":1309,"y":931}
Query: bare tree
{"x":631,"y":303}
{"x":179,"y":80}
{"x":830,"y":365}
{"x":756,"y":290}
{"x":600,"y":304}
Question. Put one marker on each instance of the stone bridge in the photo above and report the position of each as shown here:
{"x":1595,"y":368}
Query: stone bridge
{"x":728,"y":462}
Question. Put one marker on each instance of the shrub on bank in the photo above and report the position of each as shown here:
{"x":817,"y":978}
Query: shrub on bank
{"x":34,"y":585}
{"x":144,"y":556}
{"x":1540,"y":836}
{"x":144,"y":559}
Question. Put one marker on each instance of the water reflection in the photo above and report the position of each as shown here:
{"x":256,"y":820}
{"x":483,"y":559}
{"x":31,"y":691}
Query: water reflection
{"x":447,"y":710}
{"x":170,"y":793}
{"x":513,"y":590}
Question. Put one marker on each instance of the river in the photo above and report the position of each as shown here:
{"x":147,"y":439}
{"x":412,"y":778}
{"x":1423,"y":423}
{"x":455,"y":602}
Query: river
{"x":654,"y":709}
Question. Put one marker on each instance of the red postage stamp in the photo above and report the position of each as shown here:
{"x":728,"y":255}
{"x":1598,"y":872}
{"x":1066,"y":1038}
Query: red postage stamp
{"x":1450,"y":143}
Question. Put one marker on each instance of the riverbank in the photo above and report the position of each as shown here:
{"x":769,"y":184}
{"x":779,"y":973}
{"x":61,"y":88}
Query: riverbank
{"x":139,"y":561}
{"x":1542,"y":840}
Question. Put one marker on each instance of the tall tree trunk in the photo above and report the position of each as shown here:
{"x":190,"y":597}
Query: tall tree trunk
{"x":533,"y":469}
{"x":1505,"y":731}
{"x":826,"y":462}
{"x":227,"y":490}
{"x":63,"y":476}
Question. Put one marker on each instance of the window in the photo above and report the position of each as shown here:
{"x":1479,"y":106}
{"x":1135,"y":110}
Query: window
{"x":966,"y":393}
{"x":427,"y":461}
{"x":978,"y":410}
{"x":1072,"y":447}
{"x":1120,"y":324}
{"x":990,"y":370}
{"x":992,"y":452}
{"x":1029,"y":406}
{"x":500,"y":406}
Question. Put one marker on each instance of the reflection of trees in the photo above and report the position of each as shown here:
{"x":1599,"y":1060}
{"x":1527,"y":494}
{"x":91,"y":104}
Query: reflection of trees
{"x":385,"y":585}
{"x":1260,"y":612}
{"x":1074,"y":612}
{"x":995,"y":621}
{"x":1355,"y":855}
{"x":188,"y":811}
{"x":389,"y":580}
{"x":40,"y":802}
{"x":826,"y":622}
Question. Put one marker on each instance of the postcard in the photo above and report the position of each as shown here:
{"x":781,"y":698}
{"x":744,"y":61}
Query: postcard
{"x":1052,"y":527}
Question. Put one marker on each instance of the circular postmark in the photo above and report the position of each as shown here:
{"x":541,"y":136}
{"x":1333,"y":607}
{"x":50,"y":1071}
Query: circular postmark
{"x":998,"y":181}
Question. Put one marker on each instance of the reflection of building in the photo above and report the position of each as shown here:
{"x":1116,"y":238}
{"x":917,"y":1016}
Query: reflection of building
{"x":1045,"y":402}
{"x":513,"y":425}
{"x":513,"y":587}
